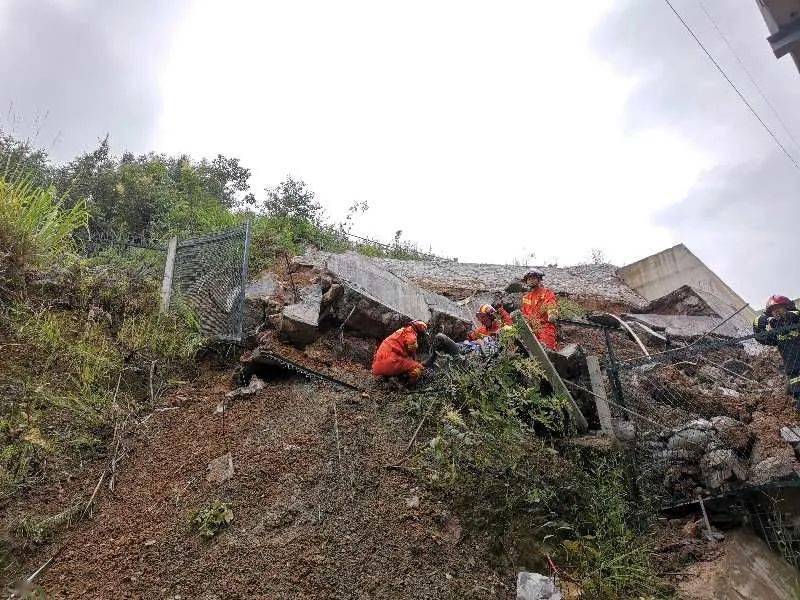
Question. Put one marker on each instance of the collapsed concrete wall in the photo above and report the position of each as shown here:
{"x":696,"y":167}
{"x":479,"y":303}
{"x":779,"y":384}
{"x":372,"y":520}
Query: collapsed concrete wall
{"x":662,"y":273}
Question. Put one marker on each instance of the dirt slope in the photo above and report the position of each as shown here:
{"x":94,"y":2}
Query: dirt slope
{"x":306,"y":524}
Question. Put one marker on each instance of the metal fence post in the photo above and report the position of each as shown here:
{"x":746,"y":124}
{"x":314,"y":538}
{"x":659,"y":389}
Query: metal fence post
{"x":613,"y":371}
{"x":245,"y":275}
{"x":169,"y":269}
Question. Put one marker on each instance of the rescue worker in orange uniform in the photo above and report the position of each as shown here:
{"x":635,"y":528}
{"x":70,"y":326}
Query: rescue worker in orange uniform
{"x":491,"y":319}
{"x":397,"y":354}
{"x":540,"y":308}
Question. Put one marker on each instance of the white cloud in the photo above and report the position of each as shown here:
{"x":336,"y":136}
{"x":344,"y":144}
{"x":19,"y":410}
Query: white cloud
{"x":487,"y":131}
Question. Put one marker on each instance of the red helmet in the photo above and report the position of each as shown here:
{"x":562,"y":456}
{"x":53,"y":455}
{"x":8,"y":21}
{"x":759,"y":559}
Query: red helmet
{"x":420,"y":326}
{"x":778,"y":301}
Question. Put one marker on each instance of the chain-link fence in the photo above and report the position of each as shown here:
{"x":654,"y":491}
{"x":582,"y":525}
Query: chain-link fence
{"x":711,"y":417}
{"x":209,"y":276}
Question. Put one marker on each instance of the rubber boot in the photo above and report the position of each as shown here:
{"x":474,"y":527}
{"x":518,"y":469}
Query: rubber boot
{"x":445,"y":344}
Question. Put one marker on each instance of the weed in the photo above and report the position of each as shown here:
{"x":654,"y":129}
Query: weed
{"x":40,"y":529}
{"x":35,"y":227}
{"x":209,"y":521}
{"x":569,"y":309}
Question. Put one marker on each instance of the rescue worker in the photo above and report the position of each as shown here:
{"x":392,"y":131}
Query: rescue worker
{"x":780,"y":326}
{"x":540,"y":308}
{"x":397,"y":354}
{"x":491,"y":319}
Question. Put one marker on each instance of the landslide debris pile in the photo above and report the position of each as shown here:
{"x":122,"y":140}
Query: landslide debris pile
{"x":702,"y":423}
{"x":434,"y":494}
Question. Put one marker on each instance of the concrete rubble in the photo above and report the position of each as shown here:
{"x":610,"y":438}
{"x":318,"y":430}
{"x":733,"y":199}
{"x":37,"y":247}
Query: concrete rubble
{"x":704,"y":455}
{"x":300,"y":321}
{"x":220,"y":469}
{"x":534,"y":586}
{"x":262,"y":298}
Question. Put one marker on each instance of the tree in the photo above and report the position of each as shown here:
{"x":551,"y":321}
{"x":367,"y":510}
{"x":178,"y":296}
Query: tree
{"x":292,"y":198}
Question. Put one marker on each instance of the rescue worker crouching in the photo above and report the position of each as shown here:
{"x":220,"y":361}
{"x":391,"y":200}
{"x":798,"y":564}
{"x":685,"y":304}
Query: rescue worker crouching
{"x":540,"y":308}
{"x":779,"y":326}
{"x":397,"y":354}
{"x":491,"y":319}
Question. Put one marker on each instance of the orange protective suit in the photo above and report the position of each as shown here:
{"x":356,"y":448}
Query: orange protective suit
{"x":502,"y":318}
{"x":397,"y":355}
{"x":538,"y":307}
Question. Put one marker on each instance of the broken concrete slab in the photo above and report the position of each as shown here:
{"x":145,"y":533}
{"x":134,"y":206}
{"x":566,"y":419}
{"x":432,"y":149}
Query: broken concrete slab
{"x":534,"y":586}
{"x":300,"y":321}
{"x":220,"y":469}
{"x":685,"y":300}
{"x":262,"y":297}
{"x":375,"y":301}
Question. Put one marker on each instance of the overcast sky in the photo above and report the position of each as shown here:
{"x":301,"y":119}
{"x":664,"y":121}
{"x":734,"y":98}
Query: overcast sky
{"x":487,"y":131}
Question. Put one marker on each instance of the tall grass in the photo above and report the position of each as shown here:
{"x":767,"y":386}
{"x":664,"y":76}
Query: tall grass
{"x":35,"y":225}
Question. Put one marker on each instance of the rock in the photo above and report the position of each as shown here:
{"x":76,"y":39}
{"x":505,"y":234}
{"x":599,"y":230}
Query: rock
{"x":300,"y":321}
{"x":262,"y":297}
{"x":412,"y":502}
{"x":791,"y":435}
{"x":710,"y":374}
{"x":728,"y":392}
{"x":737,"y":366}
{"x":771,"y":469}
{"x":719,"y":466}
{"x":692,"y":441}
{"x":534,"y":586}
{"x":220,"y":469}
{"x":256,"y":384}
{"x":701,"y":424}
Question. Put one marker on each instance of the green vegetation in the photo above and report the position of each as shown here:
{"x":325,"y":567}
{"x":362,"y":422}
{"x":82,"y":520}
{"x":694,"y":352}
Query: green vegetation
{"x":152,"y":197}
{"x":495,"y":451}
{"x":212,"y":519}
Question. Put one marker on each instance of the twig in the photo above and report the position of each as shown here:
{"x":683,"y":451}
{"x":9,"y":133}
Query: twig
{"x":336,"y":431}
{"x":88,"y":506}
{"x":152,"y":371}
{"x":419,"y":427}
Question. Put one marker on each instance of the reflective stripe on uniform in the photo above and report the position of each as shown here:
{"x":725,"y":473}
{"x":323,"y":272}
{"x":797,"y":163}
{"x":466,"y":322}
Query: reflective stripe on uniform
{"x":794,"y":380}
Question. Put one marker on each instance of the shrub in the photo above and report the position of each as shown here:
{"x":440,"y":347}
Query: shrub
{"x":35,"y":227}
{"x":212,"y":519}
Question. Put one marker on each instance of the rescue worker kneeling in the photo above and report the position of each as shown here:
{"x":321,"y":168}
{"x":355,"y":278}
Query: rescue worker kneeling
{"x":780,"y":326}
{"x":491,"y":319}
{"x":397,"y":354}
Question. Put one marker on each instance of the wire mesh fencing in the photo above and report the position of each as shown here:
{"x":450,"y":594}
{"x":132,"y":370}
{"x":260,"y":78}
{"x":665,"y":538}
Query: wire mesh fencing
{"x":209,"y":277}
{"x":705,"y":419}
